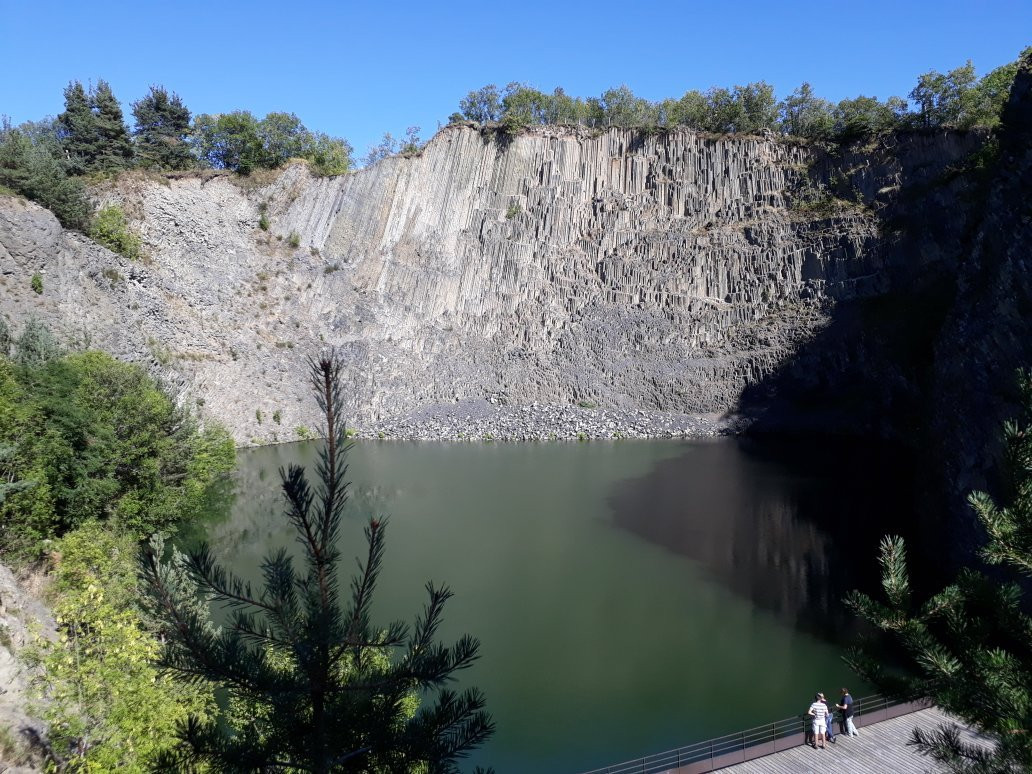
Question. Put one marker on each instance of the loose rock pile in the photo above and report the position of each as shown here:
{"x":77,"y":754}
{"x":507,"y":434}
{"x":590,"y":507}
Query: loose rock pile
{"x":480,"y":420}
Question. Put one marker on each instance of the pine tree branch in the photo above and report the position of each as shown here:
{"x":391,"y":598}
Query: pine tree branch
{"x":363,"y":585}
{"x":222,"y":586}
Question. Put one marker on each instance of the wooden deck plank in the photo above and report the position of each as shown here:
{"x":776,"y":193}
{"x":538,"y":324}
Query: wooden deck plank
{"x":881,"y":747}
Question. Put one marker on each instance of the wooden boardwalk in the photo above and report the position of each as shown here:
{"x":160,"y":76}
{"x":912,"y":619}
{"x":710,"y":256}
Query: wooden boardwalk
{"x":880,"y":748}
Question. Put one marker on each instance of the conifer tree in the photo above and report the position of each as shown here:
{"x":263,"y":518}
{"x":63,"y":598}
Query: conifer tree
{"x":161,"y":131}
{"x":77,"y":127}
{"x":968,"y":648}
{"x":93,"y":134}
{"x":313,"y":684}
{"x":115,"y":149}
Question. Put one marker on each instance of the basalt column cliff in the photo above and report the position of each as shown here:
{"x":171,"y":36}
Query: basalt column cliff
{"x":665,"y":271}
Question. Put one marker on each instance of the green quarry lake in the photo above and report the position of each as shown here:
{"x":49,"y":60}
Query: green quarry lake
{"x":629,"y":596}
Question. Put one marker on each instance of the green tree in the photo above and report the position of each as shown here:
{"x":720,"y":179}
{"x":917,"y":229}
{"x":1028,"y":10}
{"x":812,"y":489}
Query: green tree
{"x":31,"y":164}
{"x":114,"y":148}
{"x":525,"y":105}
{"x":969,"y":647}
{"x":322,"y":693}
{"x":78,"y":129}
{"x":723,"y":111}
{"x":866,"y":116}
{"x":567,"y":109}
{"x":991,"y":93}
{"x":388,"y":147}
{"x":11,"y":481}
{"x":240,"y":142}
{"x":759,"y":109}
{"x":229,"y":141}
{"x":690,"y":110}
{"x":162,"y":130}
{"x":391,"y":146}
{"x":946,"y":99}
{"x":621,"y":108}
{"x":36,"y":345}
{"x":803,"y":114}
{"x":92,"y":130}
{"x":483,"y":105}
{"x":743,"y":109}
{"x":412,"y":143}
{"x":106,"y":705}
{"x":283,"y":137}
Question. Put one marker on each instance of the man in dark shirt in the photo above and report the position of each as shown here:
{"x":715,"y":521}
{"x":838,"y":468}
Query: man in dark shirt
{"x":846,"y":706}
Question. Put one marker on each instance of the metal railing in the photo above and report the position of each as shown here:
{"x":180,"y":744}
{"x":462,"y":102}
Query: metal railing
{"x":753,"y":742}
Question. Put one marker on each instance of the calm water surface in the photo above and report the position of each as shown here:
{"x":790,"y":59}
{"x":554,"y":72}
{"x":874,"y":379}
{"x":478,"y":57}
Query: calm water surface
{"x":629,"y":596}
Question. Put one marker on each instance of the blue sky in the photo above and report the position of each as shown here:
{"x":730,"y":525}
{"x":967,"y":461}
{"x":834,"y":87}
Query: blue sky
{"x":358,"y":70}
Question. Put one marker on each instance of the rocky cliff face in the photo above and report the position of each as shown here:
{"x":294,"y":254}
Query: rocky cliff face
{"x":634,"y":271}
{"x":986,"y":336}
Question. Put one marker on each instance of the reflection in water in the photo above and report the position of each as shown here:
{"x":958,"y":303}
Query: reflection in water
{"x":598,"y":645}
{"x":792,"y":526}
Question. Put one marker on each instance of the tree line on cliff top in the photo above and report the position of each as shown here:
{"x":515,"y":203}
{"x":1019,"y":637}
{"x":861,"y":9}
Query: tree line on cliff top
{"x":956,"y":99}
{"x":48,"y":161}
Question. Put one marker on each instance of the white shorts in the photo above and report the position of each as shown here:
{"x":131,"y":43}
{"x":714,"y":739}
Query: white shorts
{"x":818,"y":726}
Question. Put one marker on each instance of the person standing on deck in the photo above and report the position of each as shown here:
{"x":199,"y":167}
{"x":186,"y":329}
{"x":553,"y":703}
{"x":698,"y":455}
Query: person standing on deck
{"x":819,"y":712}
{"x":846,"y":705}
{"x":829,"y":722}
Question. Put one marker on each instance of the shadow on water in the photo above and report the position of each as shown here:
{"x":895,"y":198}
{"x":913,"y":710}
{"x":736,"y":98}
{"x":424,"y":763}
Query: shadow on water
{"x":791,"y":525}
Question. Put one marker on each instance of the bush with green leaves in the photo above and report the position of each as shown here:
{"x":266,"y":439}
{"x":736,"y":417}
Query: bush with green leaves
{"x":35,"y":345}
{"x":97,"y":687}
{"x":110,"y":228}
{"x":36,"y":283}
{"x":96,"y":439}
{"x":328,"y":155}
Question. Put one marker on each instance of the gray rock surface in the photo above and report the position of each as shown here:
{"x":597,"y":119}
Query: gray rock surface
{"x":23,"y":618}
{"x":656,"y":273}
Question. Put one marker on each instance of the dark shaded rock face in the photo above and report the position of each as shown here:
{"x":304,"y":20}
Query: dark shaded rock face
{"x":878,"y":289}
{"x":986,"y":336}
{"x":932,"y":360}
